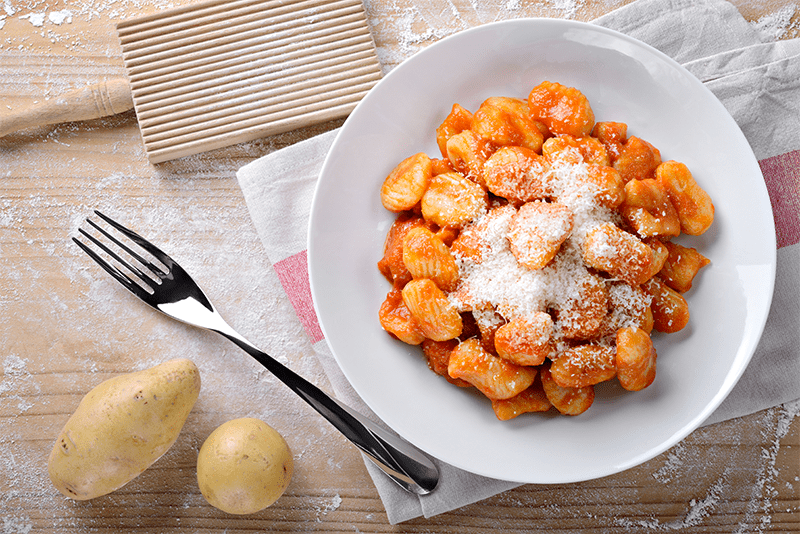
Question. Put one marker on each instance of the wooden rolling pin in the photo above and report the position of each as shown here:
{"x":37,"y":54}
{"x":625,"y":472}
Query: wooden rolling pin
{"x":86,"y":103}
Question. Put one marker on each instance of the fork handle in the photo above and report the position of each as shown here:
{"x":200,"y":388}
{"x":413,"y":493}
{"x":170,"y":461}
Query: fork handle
{"x":402,"y":462}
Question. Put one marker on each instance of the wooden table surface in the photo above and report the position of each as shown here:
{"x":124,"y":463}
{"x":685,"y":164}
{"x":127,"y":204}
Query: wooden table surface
{"x":65,"y":326}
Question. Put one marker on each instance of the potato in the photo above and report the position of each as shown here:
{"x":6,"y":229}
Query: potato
{"x":121,"y":427}
{"x":244,"y":466}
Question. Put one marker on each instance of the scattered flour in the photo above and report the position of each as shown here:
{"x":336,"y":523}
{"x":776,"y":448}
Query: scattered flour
{"x":233,"y":384}
{"x":695,"y":514}
{"x":50,"y":27}
{"x":417,"y":26}
{"x":781,"y":24}
{"x":15,"y":525}
{"x":14,"y":366}
{"x":14,"y":380}
{"x":324,"y":505}
{"x":60,"y":17}
{"x":673,"y":466}
{"x":567,"y":9}
{"x":19,"y":382}
{"x":36,"y":19}
{"x":760,"y":494}
{"x":699,"y":510}
{"x":329,"y":504}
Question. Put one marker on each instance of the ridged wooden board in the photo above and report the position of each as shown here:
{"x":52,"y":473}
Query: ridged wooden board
{"x":222,"y":72}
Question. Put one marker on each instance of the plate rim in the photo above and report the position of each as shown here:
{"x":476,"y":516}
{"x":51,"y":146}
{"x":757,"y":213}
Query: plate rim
{"x":733,"y":374}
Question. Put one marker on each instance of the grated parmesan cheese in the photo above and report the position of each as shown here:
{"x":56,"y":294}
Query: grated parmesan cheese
{"x":495,"y":280}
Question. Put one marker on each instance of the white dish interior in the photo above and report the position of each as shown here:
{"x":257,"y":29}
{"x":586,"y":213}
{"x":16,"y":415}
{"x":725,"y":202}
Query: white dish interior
{"x":625,"y":81}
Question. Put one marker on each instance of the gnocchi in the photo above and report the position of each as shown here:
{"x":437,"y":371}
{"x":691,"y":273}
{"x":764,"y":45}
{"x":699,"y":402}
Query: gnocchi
{"x":426,"y":256}
{"x":436,"y":316}
{"x":536,"y":232}
{"x":452,"y":200}
{"x":507,"y":121}
{"x":536,"y":258}
{"x":404,"y":186}
{"x":563,"y":110}
{"x":526,"y":341}
{"x":493,"y":376}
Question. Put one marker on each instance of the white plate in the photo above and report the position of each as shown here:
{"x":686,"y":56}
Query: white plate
{"x":627,"y":81}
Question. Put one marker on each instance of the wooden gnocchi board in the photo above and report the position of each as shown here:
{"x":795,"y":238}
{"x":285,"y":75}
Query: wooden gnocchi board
{"x":222,"y":72}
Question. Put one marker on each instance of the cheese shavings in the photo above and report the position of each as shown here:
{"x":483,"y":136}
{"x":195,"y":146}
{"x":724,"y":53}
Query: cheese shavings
{"x":495,"y":280}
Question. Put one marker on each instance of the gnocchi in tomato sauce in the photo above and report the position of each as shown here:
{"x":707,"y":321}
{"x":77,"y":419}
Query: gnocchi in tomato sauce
{"x":534,"y":259}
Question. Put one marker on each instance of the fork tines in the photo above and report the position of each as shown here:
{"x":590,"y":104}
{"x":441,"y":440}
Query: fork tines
{"x":143,"y":281}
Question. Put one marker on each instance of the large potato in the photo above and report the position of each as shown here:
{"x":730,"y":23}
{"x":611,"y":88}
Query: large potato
{"x":244,"y":466}
{"x":121,"y":427}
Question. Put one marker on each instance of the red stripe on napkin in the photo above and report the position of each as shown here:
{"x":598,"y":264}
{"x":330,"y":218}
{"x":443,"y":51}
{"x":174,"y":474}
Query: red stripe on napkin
{"x":293,"y":274}
{"x":782,"y":176}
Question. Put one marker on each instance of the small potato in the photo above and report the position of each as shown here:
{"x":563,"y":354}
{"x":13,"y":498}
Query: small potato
{"x":244,"y":466}
{"x":517,"y":174}
{"x":648,"y":210}
{"x":471,"y":242}
{"x":572,"y":150}
{"x":613,"y":135}
{"x":660,"y":255}
{"x":506,"y":121}
{"x":468,"y":245}
{"x":629,"y":306}
{"x":467,"y":153}
{"x":121,"y":427}
{"x":583,"y":316}
{"x":525,"y":340}
{"x":603,"y":184}
{"x":426,"y":256}
{"x":609,"y":184}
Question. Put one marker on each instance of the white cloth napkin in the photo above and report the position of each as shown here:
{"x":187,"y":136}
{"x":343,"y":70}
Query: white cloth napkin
{"x":759,"y":85}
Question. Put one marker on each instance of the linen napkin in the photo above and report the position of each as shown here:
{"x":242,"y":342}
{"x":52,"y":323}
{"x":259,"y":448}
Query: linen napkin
{"x":759,"y":85}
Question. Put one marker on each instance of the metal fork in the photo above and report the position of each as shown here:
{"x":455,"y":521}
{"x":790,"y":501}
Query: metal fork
{"x":170,"y":290}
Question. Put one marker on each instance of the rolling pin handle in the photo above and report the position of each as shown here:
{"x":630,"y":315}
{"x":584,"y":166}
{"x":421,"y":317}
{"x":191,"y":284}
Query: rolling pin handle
{"x":91,"y":102}
{"x":113,"y":97}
